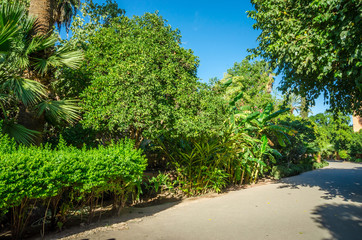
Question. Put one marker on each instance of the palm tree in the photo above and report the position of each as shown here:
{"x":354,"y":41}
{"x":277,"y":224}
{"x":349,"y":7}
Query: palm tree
{"x":50,"y":12}
{"x":26,"y":103}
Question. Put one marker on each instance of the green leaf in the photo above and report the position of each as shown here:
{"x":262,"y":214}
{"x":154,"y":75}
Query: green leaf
{"x":64,"y":109}
{"x":20,"y":133}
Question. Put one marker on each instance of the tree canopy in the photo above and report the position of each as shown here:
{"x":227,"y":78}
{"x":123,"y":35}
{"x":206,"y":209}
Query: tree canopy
{"x":316,"y":45}
{"x":141,"y":81}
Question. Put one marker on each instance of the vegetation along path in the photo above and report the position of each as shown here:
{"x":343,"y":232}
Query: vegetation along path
{"x":321,"y":204}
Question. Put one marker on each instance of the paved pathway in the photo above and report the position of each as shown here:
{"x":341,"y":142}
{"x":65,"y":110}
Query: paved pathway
{"x":321,"y":204}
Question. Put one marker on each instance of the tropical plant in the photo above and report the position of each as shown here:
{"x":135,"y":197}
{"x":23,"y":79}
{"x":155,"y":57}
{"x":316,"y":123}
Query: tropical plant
{"x":259,"y":130}
{"x":249,"y":137}
{"x":302,"y":142}
{"x":253,"y":79}
{"x":333,"y":129}
{"x":26,"y":99}
{"x":197,"y":161}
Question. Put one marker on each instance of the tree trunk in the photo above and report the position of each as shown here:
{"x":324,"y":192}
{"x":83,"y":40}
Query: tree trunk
{"x":270,"y":84}
{"x":43,"y":11}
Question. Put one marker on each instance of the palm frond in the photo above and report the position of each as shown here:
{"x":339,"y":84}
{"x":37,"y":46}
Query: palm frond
{"x":65,"y":56}
{"x":29,"y":92}
{"x":64,"y":109}
{"x":10,"y":16}
{"x":4,"y":98}
{"x":20,"y":133}
{"x":39,"y":43}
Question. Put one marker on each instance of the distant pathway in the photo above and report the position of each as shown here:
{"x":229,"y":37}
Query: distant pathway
{"x":321,"y":204}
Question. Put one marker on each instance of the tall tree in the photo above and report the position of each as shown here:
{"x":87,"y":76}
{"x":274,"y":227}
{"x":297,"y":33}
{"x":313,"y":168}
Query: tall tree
{"x":316,"y":45}
{"x":50,"y":12}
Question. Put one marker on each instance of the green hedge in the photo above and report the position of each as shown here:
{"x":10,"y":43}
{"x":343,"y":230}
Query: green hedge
{"x":283,"y":170}
{"x":65,"y":175}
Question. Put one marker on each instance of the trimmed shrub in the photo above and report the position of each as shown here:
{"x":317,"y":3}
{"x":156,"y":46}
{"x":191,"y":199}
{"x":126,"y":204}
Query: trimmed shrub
{"x":58,"y":178}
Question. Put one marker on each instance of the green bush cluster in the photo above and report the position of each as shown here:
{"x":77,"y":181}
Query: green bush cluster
{"x":285,"y":170}
{"x":30,"y":176}
{"x":355,"y":147}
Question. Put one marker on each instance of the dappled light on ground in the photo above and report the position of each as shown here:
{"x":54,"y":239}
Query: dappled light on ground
{"x":335,"y":182}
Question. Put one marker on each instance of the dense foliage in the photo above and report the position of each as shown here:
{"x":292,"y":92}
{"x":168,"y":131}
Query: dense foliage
{"x":65,"y":177}
{"x":138,"y":89}
{"x":141,"y":63}
{"x":253,"y":79}
{"x":316,"y":45}
{"x":302,"y":142}
{"x":335,"y":137}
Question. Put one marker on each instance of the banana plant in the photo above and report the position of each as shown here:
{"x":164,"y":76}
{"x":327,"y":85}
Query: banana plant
{"x":252,"y":132}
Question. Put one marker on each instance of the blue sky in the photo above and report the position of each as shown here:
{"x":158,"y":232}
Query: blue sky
{"x":219,"y":32}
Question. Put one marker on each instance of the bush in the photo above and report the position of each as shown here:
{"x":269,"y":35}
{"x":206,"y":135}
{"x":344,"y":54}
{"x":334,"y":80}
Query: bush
{"x":357,"y":160}
{"x":64,"y":176}
{"x":343,"y":154}
{"x":355,"y":145}
{"x":302,"y":142}
{"x":281,"y":171}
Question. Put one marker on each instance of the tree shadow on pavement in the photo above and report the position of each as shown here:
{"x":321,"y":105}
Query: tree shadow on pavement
{"x":344,"y":221}
{"x":335,"y":182}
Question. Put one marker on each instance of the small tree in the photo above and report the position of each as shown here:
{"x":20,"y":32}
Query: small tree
{"x":142,"y":83}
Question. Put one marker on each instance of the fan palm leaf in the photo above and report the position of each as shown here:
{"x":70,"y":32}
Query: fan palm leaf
{"x":10,"y":15}
{"x":20,"y":133}
{"x":29,"y":92}
{"x":54,"y":110}
{"x":62,"y":57}
{"x":25,"y":55}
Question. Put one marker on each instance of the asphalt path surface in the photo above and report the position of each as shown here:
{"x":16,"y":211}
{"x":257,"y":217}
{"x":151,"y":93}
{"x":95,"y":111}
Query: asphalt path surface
{"x":321,"y":204}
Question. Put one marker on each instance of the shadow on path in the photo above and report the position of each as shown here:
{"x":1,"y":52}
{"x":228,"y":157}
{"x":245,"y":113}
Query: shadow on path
{"x":342,"y":182}
{"x":344,"y":221}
